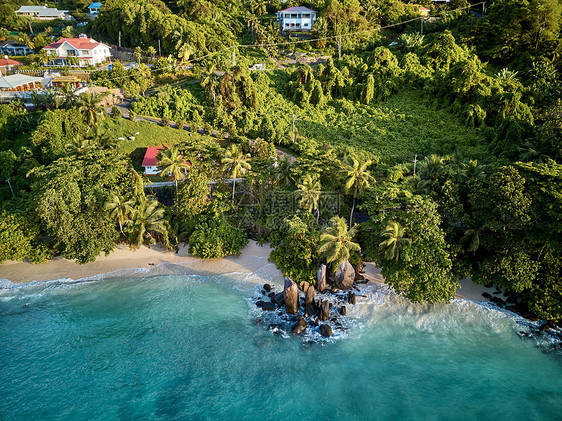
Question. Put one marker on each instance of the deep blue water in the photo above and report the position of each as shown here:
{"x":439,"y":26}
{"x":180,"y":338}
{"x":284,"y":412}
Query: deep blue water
{"x":188,"y":347}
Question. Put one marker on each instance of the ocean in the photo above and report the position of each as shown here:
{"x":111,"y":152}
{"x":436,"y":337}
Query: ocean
{"x":148,"y":345}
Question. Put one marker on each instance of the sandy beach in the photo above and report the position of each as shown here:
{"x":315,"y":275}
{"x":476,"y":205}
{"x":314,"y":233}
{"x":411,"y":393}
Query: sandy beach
{"x":253,"y":258}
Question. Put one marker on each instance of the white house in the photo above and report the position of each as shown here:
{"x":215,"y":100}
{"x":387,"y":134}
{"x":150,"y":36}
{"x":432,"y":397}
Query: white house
{"x":94,"y":8}
{"x":14,"y":48}
{"x":296,"y":19}
{"x":150,"y":160}
{"x":87,"y":51}
{"x":42,"y":13}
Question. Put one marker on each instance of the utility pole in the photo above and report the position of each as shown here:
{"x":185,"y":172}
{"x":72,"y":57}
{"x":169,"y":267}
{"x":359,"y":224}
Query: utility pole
{"x":10,"y":184}
{"x":293,"y":128}
{"x":339,"y":46}
{"x":415,"y":161}
{"x":233,"y":55}
{"x":119,"y":39}
{"x":159,"y":49}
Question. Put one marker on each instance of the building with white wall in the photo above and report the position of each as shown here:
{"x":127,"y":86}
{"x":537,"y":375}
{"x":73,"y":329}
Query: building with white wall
{"x":85,"y":50}
{"x":296,"y":19}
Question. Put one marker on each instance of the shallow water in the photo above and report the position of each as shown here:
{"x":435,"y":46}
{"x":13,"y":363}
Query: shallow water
{"x":187,"y":347}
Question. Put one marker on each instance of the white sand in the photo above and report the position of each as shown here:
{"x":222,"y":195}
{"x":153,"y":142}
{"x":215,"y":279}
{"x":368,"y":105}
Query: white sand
{"x":253,"y":258}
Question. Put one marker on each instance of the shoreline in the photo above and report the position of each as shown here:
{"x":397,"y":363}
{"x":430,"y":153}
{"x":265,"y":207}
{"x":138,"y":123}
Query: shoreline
{"x":253,"y":258}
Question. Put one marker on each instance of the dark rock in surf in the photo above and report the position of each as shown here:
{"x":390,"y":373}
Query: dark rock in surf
{"x":324,"y":310}
{"x":343,"y":310}
{"x":260,"y":303}
{"x":486,"y":295}
{"x":325,"y":331}
{"x":278,"y":299}
{"x":271,"y":294}
{"x":351,"y":298}
{"x":268,"y":307}
{"x":299,"y":327}
{"x":291,"y":296}
{"x":321,"y":278}
{"x":267,"y":287}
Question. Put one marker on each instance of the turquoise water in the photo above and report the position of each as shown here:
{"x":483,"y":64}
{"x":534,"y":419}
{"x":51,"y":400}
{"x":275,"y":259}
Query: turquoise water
{"x":188,"y":347}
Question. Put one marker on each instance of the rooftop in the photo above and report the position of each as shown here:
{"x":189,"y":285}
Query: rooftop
{"x":13,"y":81}
{"x":82,"y":43}
{"x":95,"y":5}
{"x":8,"y":62}
{"x":297,"y":9}
{"x":150,"y":156}
{"x":41,"y":10}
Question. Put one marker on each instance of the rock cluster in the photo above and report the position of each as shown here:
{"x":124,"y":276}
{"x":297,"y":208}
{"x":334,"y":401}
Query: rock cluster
{"x":307,"y":310}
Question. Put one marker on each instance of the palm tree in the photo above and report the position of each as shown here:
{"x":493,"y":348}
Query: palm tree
{"x":24,"y":39}
{"x":184,"y":52}
{"x":235,"y":164}
{"x":473,"y":235}
{"x":358,"y":180}
{"x":148,"y":220}
{"x":309,"y":192}
{"x":210,"y":82}
{"x":472,"y":170}
{"x":89,"y":106}
{"x":432,"y":166}
{"x":119,"y":209}
{"x":152,"y":51}
{"x":173,"y":163}
{"x":281,"y":172}
{"x":336,"y":242}
{"x":395,"y":240}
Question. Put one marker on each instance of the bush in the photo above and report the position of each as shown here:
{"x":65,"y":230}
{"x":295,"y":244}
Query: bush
{"x":115,"y":112}
{"x":216,"y":239}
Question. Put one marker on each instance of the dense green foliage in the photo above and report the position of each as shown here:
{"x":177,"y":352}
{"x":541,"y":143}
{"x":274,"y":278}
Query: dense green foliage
{"x":449,"y":143}
{"x":216,"y":239}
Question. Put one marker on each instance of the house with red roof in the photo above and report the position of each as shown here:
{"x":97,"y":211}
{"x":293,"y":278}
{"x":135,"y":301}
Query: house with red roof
{"x":8,"y":65}
{"x":296,"y":19}
{"x":85,"y":51}
{"x":150,"y":159}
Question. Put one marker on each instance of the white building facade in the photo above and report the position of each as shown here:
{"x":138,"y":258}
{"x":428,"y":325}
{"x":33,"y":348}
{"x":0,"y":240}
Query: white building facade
{"x":82,"y":51}
{"x":42,"y":13}
{"x":296,"y":19}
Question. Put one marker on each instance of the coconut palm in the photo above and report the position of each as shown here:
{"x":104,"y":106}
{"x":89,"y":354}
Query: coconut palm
{"x":358,"y":180}
{"x":26,"y":40}
{"x":473,"y":235}
{"x":394,"y":240}
{"x":236,"y":164}
{"x":89,"y":106}
{"x":282,"y":175}
{"x":336,"y":242}
{"x":210,"y":82}
{"x":472,"y":170}
{"x":173,"y":163}
{"x":432,"y":166}
{"x":147,"y":222}
{"x":151,"y":51}
{"x":184,"y":52}
{"x":309,"y":191}
{"x":119,"y":209}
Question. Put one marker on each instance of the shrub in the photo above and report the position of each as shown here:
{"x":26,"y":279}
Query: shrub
{"x":216,"y":239}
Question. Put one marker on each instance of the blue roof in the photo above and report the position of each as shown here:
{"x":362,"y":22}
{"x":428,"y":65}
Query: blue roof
{"x":95,"y":5}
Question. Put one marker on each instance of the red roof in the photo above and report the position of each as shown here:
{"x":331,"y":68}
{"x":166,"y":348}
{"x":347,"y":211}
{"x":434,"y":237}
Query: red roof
{"x":8,"y":62}
{"x":78,"y":43}
{"x":423,"y":9}
{"x":150,"y":156}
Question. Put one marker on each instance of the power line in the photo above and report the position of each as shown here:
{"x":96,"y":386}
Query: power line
{"x":285,"y":43}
